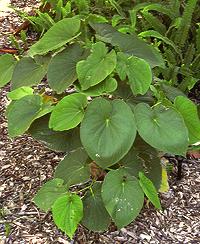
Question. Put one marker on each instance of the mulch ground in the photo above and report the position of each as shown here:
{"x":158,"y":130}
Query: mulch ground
{"x":25,"y":165}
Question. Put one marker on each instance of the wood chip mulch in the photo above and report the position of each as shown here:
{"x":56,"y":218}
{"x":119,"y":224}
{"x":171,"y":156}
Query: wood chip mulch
{"x":25,"y":165}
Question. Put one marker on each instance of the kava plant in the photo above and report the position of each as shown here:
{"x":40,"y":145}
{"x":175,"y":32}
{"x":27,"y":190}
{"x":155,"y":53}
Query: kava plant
{"x":103,"y":112}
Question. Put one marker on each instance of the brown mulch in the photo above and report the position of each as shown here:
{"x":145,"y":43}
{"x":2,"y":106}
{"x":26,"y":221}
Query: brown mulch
{"x":25,"y":165}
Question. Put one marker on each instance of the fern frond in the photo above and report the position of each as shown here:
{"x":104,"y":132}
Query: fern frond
{"x":182,"y":32}
{"x":154,"y":22}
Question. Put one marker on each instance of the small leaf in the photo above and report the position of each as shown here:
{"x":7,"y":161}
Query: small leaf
{"x":27,"y":73}
{"x":62,"y":68}
{"x":20,"y":92}
{"x":7,"y":65}
{"x":67,"y":213}
{"x":74,"y":168}
{"x":105,"y":87}
{"x":107,"y":131}
{"x":65,"y":141}
{"x":22,"y":113}
{"x":96,"y":67}
{"x":48,"y":194}
{"x":122,"y":196}
{"x":138,"y":72}
{"x":149,"y":190}
{"x":190,"y":115}
{"x":95,"y":217}
{"x":164,"y":187}
{"x":59,"y":34}
{"x":68,"y":113}
{"x":162,"y":128}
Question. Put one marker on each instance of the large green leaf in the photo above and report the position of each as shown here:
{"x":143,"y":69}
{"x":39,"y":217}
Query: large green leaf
{"x":97,"y":66}
{"x":171,"y":92}
{"x":142,"y":157}
{"x":190,"y":115}
{"x":20,"y":92}
{"x":22,"y":113}
{"x":74,"y":168}
{"x":48,"y":194}
{"x":95,"y":216}
{"x":107,"y":131}
{"x":7,"y":65}
{"x":59,"y":34}
{"x":105,"y":87}
{"x":63,"y":141}
{"x":162,"y":128}
{"x":129,"y":44}
{"x":27,"y":73}
{"x":122,"y":196}
{"x":67,"y":213}
{"x":138,"y":72}
{"x":68,"y":113}
{"x":149,"y":190}
{"x":62,"y":68}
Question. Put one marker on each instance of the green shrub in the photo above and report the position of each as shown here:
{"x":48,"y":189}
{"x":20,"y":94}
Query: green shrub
{"x":108,"y":111}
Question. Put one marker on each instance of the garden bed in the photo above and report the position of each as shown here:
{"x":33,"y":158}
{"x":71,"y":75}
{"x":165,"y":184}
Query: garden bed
{"x":25,"y":165}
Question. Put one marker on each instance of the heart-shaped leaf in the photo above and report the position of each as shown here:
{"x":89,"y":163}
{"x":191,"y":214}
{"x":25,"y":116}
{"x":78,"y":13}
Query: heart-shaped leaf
{"x":97,"y":66}
{"x":62,"y":68}
{"x":59,"y":34}
{"x":48,"y":194}
{"x":67,"y":213}
{"x":162,"y":128}
{"x":68,"y":113}
{"x":138,"y":72}
{"x":27,"y":73}
{"x":7,"y":65}
{"x":95,"y":216}
{"x":22,"y":113}
{"x":149,"y":190}
{"x":190,"y":115}
{"x":74,"y":168}
{"x":123,"y":197}
{"x":107,"y":131}
{"x":62,"y":141}
{"x":105,"y":87}
{"x":129,"y":44}
{"x":20,"y":92}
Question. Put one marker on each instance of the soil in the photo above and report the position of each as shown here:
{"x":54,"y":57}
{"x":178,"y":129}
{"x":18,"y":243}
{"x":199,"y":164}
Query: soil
{"x":26,"y":164}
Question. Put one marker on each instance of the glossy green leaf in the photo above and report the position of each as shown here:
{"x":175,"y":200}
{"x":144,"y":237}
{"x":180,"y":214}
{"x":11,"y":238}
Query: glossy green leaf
{"x":74,"y":168}
{"x":62,"y":68}
{"x":7,"y":65}
{"x":20,"y":92}
{"x":122,"y":196}
{"x":107,"y":131}
{"x":68,"y":113}
{"x":97,"y":66}
{"x":48,"y":194}
{"x":67,"y":213}
{"x":105,"y":87}
{"x":190,"y":115}
{"x":137,"y":70}
{"x":95,"y":216}
{"x":22,"y":113}
{"x":27,"y":73}
{"x":59,"y":34}
{"x":149,"y":190}
{"x":62,"y":141}
{"x":162,"y":128}
{"x":129,"y":44}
